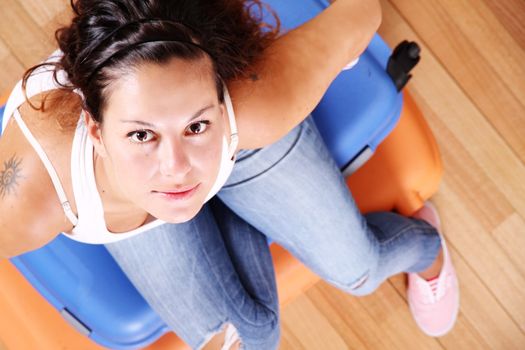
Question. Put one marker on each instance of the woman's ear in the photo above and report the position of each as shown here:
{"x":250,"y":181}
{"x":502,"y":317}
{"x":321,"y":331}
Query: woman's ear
{"x":95,"y":134}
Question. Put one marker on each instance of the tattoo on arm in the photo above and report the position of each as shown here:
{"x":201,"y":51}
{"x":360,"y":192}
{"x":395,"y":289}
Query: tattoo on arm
{"x":10,"y":175}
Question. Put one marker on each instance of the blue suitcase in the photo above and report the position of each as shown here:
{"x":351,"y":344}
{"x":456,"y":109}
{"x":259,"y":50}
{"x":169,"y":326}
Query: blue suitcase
{"x":88,"y":288}
{"x":364,"y":97}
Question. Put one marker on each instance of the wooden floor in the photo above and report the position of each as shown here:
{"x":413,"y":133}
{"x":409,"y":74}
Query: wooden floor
{"x":470,"y":84}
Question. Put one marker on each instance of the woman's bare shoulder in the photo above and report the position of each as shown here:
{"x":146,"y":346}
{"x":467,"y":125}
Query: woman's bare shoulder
{"x":30,"y":211}
{"x":52,"y":114}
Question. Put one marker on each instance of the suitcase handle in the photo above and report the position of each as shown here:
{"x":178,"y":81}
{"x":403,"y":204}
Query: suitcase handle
{"x":404,"y":58}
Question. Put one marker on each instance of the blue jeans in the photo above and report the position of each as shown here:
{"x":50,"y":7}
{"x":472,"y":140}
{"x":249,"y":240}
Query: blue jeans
{"x":217,"y":268}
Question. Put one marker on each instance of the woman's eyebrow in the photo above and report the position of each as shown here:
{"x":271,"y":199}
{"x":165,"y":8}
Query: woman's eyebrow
{"x":194,"y":116}
{"x":201,"y":111}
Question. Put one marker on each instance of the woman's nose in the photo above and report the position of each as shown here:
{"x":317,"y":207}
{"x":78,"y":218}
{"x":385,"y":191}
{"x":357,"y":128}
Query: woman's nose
{"x":174,"y":160}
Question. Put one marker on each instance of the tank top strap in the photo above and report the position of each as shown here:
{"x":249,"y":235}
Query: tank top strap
{"x":41,"y":80}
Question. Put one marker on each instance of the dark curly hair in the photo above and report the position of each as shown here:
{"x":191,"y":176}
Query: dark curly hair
{"x":108,"y":37}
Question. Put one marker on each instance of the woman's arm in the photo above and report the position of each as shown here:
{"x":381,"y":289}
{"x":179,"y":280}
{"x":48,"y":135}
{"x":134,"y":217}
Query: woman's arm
{"x":30,"y":212}
{"x":298,"y":68}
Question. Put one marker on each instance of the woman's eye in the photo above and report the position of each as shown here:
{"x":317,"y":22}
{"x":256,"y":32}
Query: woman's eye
{"x":198,"y":127}
{"x":140,"y":136}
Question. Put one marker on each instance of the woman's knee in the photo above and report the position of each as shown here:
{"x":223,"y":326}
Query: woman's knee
{"x":234,"y":335}
{"x":227,"y":338}
{"x":355,"y":273}
{"x":357,"y":285}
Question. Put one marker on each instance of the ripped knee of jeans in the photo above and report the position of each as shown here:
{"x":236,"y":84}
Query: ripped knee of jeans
{"x":231,"y":338}
{"x":225,"y":338}
{"x":363,"y":286}
{"x":359,"y":283}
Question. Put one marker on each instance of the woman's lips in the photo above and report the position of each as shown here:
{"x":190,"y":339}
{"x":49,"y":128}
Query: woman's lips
{"x":179,"y":193}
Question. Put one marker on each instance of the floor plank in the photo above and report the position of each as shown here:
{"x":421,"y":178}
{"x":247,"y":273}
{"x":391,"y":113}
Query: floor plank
{"x":474,"y":133}
{"x":480,"y":55}
{"x":26,"y":40}
{"x":461,"y":144}
{"x":380,"y":320}
{"x":511,"y":14}
{"x":317,"y":334}
{"x":12,"y":68}
{"x":511,"y":237}
{"x":43,"y":12}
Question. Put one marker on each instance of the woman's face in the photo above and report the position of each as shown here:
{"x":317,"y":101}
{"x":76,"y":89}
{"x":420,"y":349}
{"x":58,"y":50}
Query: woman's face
{"x":161,"y":138}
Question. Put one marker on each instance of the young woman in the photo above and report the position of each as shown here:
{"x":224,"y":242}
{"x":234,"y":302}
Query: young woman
{"x":129,"y":132}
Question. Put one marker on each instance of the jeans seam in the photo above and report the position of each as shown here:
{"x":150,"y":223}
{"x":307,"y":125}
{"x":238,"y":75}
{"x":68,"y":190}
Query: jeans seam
{"x":273,"y":165}
{"x":260,"y":272}
{"x":228,"y":296}
{"x":402,"y":231}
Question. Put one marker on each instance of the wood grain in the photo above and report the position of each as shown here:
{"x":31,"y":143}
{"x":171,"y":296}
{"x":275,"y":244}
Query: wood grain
{"x":511,"y":14}
{"x":510,"y":236}
{"x":480,"y":55}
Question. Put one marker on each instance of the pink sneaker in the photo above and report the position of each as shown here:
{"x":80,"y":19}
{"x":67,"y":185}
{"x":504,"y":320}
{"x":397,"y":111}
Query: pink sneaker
{"x":434,"y":304}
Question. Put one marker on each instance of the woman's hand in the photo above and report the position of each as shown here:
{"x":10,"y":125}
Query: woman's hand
{"x":298,"y":68}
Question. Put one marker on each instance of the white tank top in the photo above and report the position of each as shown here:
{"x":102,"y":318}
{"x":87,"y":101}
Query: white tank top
{"x":89,"y":226}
